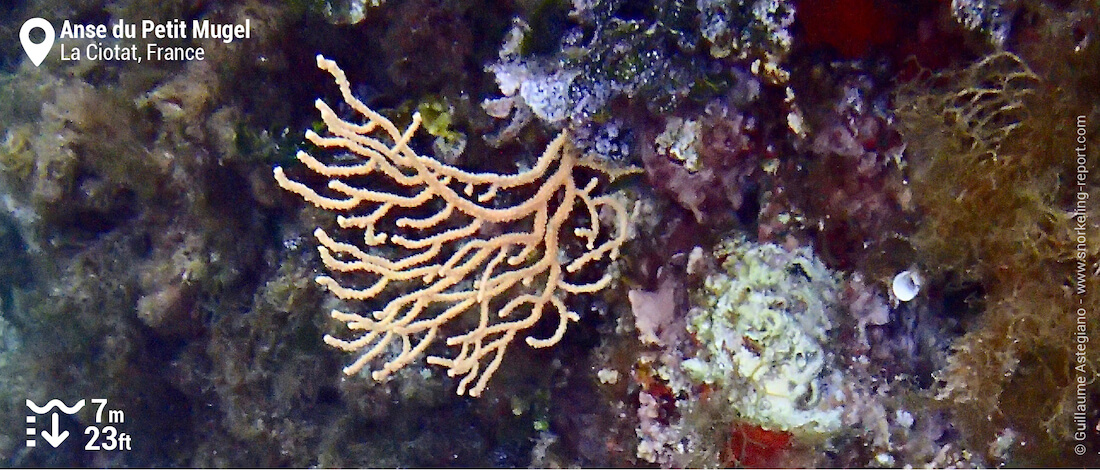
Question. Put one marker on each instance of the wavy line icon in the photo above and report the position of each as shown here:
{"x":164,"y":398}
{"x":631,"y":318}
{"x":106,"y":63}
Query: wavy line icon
{"x":55,"y":403}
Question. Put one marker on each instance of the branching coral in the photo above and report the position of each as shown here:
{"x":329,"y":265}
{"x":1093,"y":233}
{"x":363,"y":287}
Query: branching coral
{"x":459,"y":243}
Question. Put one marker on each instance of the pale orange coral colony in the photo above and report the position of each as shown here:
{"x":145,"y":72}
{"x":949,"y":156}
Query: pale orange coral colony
{"x":448,"y":271}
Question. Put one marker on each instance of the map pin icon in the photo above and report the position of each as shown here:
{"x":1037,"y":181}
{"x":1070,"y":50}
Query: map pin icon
{"x":36,"y":52}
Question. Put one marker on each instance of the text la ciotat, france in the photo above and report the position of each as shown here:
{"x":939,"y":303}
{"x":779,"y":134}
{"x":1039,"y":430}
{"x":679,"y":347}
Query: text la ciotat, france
{"x":148,"y":29}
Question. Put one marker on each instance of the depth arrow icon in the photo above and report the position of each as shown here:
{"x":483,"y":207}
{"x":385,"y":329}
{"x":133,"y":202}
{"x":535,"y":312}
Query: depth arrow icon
{"x":55,"y":438}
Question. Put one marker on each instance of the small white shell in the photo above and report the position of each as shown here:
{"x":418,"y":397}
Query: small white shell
{"x":906,"y":285}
